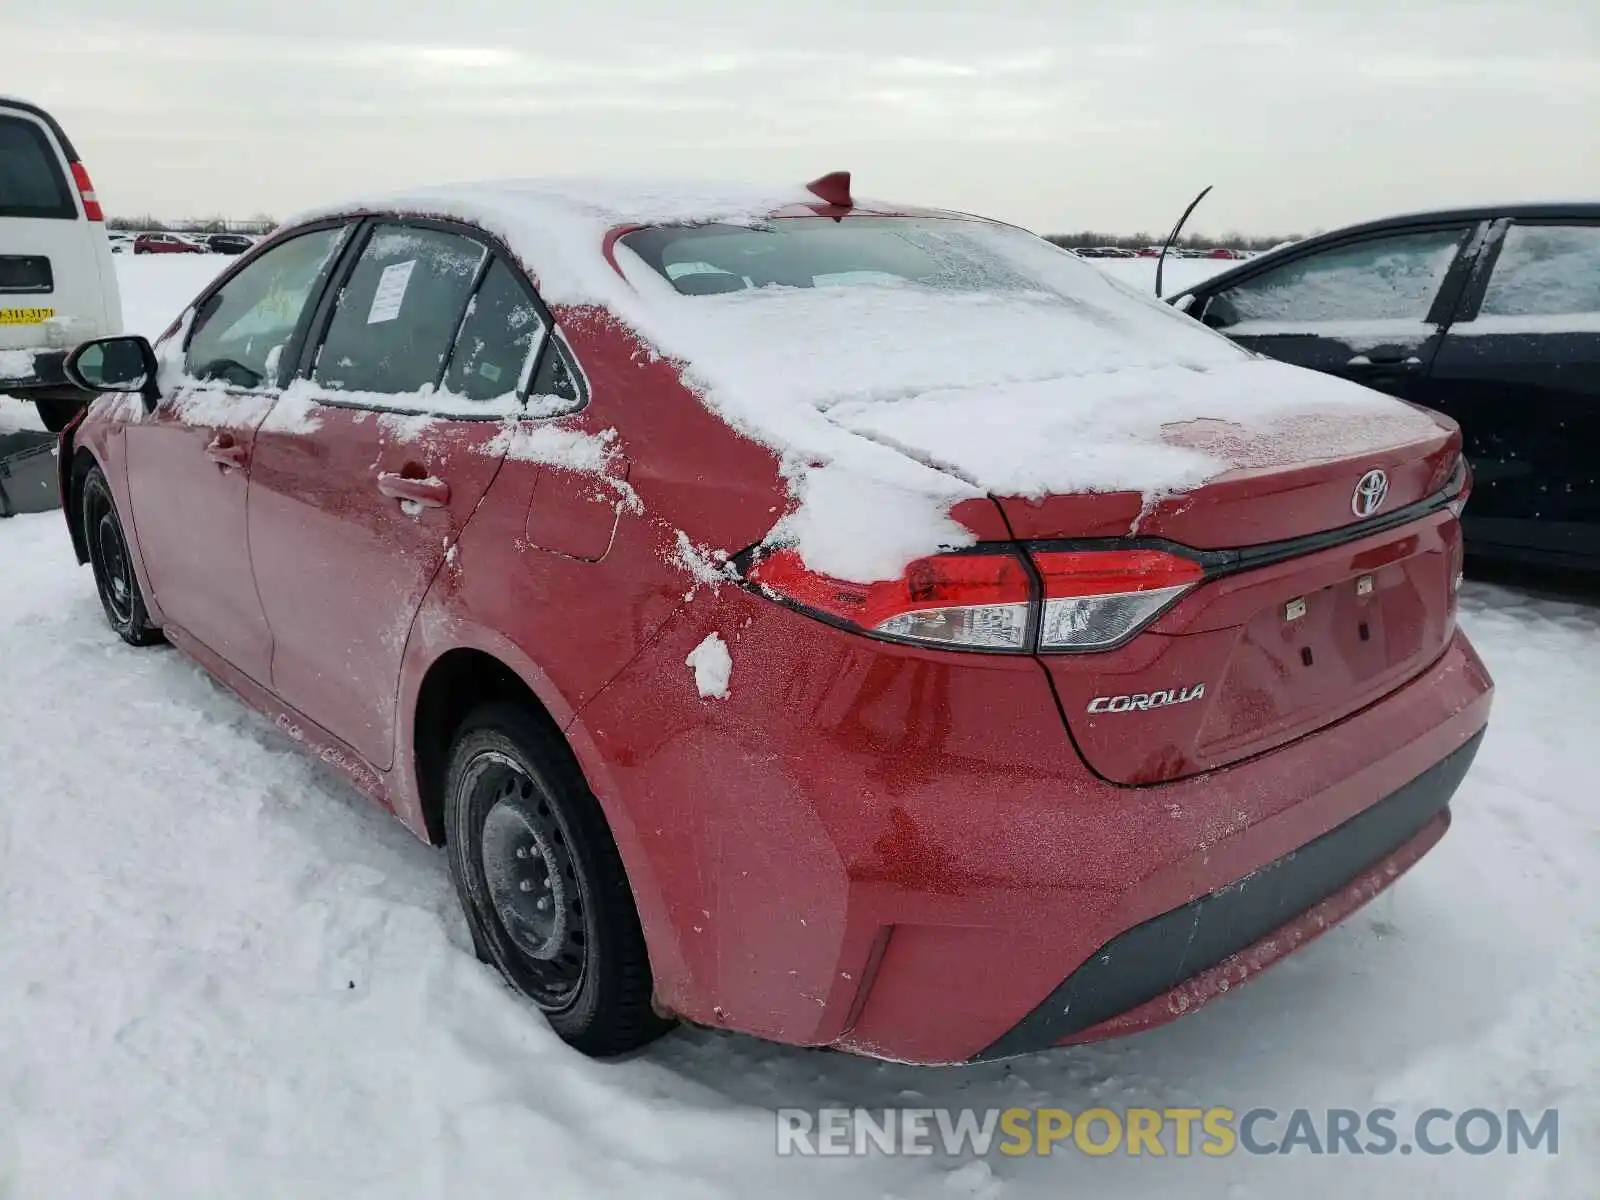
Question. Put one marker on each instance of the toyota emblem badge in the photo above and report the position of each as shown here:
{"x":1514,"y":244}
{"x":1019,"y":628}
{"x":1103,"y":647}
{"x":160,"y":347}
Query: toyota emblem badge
{"x":1370,"y":494}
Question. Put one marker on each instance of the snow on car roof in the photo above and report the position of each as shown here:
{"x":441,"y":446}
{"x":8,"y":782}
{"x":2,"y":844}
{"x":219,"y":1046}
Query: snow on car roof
{"x":556,"y":226}
{"x":887,"y":405}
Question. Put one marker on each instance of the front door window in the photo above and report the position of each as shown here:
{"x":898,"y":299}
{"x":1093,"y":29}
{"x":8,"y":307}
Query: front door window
{"x":1381,"y":279}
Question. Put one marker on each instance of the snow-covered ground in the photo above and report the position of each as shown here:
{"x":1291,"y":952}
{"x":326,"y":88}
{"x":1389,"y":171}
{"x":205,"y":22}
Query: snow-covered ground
{"x":1179,"y":273}
{"x":156,"y":288}
{"x":223,"y":975}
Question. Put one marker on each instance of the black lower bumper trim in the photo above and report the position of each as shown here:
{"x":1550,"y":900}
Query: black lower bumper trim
{"x":1151,"y":959}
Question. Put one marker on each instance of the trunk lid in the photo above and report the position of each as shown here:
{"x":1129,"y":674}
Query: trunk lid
{"x":1256,"y":658}
{"x":1342,"y":610}
{"x":1277,"y":487}
{"x":1258,"y":464}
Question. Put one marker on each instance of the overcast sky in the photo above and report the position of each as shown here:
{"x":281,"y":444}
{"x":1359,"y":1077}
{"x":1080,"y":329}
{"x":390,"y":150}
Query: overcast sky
{"x":1302,"y":114}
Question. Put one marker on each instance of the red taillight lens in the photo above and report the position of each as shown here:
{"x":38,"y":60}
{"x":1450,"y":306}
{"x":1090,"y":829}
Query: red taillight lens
{"x":1459,"y":489}
{"x":91,"y":202}
{"x":1094,"y":599}
{"x":976,"y":601}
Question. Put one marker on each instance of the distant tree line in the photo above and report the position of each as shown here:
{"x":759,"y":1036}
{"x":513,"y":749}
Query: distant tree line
{"x":150,"y":224}
{"x":1132,"y":241}
{"x":1089,"y":237}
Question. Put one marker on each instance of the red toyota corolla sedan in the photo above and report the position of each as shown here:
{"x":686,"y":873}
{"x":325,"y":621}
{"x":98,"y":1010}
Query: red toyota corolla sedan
{"x":857,"y":625}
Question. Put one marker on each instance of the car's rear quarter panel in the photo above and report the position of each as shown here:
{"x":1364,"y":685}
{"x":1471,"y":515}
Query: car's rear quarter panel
{"x":517,"y":589}
{"x":847,"y":786}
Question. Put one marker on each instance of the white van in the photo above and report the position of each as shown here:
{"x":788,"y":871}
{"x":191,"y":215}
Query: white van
{"x":58,"y":281}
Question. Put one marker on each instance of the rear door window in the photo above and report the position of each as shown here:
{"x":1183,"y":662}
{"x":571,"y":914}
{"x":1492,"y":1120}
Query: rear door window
{"x":31,"y":180}
{"x":502,"y":329}
{"x":1545,"y":271}
{"x":240,"y":332}
{"x":399,"y":311}
{"x":1394,"y":278}
{"x":557,"y":387}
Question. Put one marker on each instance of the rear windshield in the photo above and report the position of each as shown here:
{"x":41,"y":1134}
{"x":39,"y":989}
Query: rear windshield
{"x":943,"y":254}
{"x":906,"y":302}
{"x":31,"y":182}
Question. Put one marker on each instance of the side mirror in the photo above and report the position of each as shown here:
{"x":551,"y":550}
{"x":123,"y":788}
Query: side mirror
{"x":115,"y":364}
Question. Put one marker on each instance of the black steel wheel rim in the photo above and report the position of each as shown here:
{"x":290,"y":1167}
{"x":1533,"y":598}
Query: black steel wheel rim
{"x":111,"y":555}
{"x":531,"y":880}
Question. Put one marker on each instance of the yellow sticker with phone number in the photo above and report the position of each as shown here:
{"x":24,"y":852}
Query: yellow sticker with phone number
{"x":25,"y":316}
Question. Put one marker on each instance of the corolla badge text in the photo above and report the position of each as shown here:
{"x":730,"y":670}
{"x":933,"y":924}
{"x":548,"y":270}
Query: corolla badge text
{"x":1144,"y":701}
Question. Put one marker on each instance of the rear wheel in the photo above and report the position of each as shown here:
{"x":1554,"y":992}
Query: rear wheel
{"x":542,"y":884}
{"x":112,"y":563}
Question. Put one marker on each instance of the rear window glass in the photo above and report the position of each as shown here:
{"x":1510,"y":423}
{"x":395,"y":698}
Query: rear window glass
{"x":31,"y":182}
{"x":885,"y":305}
{"x":1546,"y":270}
{"x":945,"y":255}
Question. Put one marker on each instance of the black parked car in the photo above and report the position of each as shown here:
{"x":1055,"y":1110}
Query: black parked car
{"x":1490,"y":315}
{"x":228,"y":243}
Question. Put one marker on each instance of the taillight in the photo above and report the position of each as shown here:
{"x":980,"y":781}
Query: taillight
{"x":1459,"y":488}
{"x":91,"y":202}
{"x":985,"y":599}
{"x":974,"y":601}
{"x":1095,"y":598}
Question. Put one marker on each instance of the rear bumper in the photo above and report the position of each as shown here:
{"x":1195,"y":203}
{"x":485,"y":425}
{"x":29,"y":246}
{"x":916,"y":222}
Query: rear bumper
{"x":1172,"y":964}
{"x":895,"y":852}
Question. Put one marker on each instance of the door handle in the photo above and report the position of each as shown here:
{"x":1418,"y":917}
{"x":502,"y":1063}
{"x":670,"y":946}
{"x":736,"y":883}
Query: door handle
{"x":226,"y":452}
{"x":429,"y":493}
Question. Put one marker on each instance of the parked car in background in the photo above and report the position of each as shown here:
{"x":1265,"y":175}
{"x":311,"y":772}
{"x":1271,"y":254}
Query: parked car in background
{"x":58,"y":284}
{"x":228,"y":243}
{"x":1020,"y":759}
{"x":1488,"y":315}
{"x":164,"y":243}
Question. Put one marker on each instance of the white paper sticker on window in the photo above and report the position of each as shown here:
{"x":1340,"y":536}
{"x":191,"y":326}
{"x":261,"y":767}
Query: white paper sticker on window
{"x":391,"y":292}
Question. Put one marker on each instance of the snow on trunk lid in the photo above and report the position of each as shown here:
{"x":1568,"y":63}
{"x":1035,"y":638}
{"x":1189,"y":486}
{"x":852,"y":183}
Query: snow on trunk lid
{"x":1285,"y":493}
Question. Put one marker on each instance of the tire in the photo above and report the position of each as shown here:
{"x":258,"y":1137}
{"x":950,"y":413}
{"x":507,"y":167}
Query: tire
{"x":542,"y":885}
{"x":112,"y":563}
